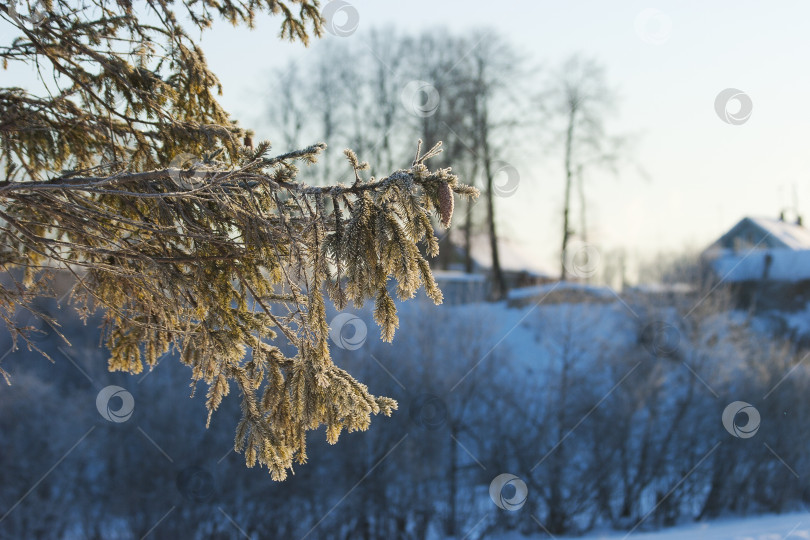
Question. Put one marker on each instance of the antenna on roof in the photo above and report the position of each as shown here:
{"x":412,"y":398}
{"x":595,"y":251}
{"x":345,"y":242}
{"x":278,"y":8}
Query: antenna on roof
{"x":796,"y":205}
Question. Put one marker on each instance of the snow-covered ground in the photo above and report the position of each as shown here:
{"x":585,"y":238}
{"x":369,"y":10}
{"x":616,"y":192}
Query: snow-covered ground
{"x":781,"y":527}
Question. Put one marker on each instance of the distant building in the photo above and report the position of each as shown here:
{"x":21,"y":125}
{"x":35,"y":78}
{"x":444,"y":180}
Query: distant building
{"x":764,"y":233}
{"x":561,"y":292}
{"x":767,"y":260}
{"x":460,"y":287}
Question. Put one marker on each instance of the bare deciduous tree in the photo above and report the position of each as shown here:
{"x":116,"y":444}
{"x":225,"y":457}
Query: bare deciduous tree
{"x":576,"y":102}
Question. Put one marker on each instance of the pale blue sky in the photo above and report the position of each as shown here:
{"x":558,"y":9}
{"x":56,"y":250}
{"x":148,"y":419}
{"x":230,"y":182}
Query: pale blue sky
{"x":704,"y":174}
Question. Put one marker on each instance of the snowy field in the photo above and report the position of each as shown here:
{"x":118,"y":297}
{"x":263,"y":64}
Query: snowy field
{"x":782,"y":527}
{"x":561,"y":385}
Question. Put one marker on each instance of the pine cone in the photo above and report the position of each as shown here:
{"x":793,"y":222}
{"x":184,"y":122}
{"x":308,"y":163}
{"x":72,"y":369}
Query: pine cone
{"x":445,"y":203}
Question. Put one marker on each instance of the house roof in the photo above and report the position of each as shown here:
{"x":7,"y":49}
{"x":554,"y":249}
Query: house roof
{"x":457,"y":276}
{"x":771,"y":249}
{"x":514,"y":256}
{"x":793,"y":236}
{"x":765,"y":233}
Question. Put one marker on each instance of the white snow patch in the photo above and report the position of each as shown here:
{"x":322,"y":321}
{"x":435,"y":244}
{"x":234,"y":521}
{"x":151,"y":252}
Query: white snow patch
{"x":792,"y":235}
{"x":770,"y":527}
{"x":541,"y":290}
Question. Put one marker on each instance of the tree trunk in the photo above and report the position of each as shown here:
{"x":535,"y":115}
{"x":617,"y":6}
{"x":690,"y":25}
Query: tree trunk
{"x":497,"y":274}
{"x":569,"y":137}
{"x":468,"y":223}
{"x":499,"y":284}
{"x":452,"y":519}
{"x":583,"y":229}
